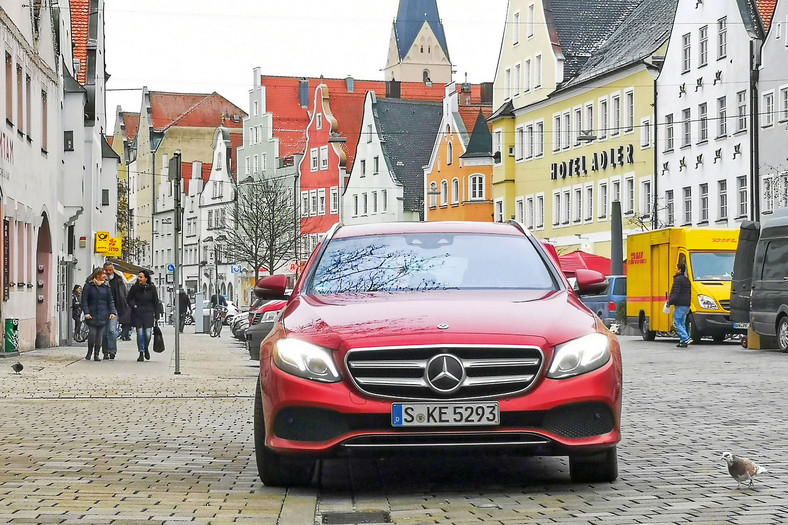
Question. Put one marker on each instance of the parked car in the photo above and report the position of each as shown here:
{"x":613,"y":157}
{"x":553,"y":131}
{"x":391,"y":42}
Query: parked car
{"x":605,"y":302}
{"x":260,"y":323}
{"x":435,"y":336}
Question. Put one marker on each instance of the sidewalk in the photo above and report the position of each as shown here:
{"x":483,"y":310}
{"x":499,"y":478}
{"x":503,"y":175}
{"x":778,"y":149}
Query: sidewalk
{"x":209,"y":367}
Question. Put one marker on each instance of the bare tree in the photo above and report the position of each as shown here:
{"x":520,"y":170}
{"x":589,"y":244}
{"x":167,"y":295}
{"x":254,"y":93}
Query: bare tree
{"x":264,"y":225}
{"x":131,"y":246}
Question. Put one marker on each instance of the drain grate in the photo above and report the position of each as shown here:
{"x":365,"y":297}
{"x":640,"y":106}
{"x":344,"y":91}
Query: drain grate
{"x":354,"y":518}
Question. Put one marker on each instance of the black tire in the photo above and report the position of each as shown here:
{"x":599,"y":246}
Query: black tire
{"x":82,"y":335}
{"x":602,"y":467}
{"x":782,"y":334}
{"x":645,"y":333}
{"x":692,"y":330}
{"x":275,"y":470}
{"x":718,"y":339}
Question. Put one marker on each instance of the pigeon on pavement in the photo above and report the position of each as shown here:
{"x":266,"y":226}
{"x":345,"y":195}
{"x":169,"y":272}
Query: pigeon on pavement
{"x":742,"y":469}
{"x":17,"y":367}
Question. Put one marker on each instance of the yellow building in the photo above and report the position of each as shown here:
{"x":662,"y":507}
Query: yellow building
{"x":573,"y":131}
{"x":457,"y":180}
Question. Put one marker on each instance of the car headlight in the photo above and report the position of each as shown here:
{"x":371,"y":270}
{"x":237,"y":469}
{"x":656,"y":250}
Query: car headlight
{"x":306,"y":360}
{"x":579,"y":356}
{"x":269,"y":317}
{"x":707,"y":303}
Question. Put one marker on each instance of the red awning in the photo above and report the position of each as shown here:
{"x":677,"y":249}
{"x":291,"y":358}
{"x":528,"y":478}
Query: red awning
{"x":580,"y":259}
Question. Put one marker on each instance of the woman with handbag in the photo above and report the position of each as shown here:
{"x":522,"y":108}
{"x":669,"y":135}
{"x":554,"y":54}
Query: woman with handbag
{"x":143,"y":300}
{"x":99,"y":308}
{"x":76,"y":308}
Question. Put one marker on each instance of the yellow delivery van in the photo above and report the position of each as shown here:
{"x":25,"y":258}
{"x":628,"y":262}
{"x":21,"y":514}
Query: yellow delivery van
{"x":651,"y":263}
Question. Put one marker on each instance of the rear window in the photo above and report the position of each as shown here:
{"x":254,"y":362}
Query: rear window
{"x":620,"y":287}
{"x":429,"y":261}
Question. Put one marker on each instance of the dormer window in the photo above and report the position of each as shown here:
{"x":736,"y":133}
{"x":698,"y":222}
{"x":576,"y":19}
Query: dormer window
{"x":219,"y":161}
{"x":319,"y":121}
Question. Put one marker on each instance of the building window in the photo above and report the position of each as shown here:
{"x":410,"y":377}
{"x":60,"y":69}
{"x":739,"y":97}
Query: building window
{"x":686,"y":60}
{"x":507,"y":83}
{"x":104,"y":197}
{"x":539,"y":139}
{"x":433,"y":194}
{"x":210,"y":220}
{"x":578,"y":196}
{"x":384,"y":203}
{"x":455,"y":191}
{"x":375,"y":165}
{"x":519,"y":143}
{"x":629,"y":207}
{"x":645,"y":199}
{"x":704,"y":203}
{"x":355,"y":205}
{"x":333,"y":200}
{"x":444,"y":193}
{"x":321,"y":201}
{"x":538,"y":71}
{"x":499,"y":210}
{"x":686,"y":128}
{"x":540,"y":211}
{"x":68,"y":141}
{"x":498,"y":144}
{"x":44,"y":121}
{"x":703,"y":46}
{"x":567,"y":141}
{"x":369,"y":133}
{"x":590,"y":119}
{"x":517,"y":77}
{"x":19,"y":100}
{"x":669,"y":208}
{"x":566,"y":207}
{"x":313,"y":155}
{"x":9,"y":89}
{"x":722,"y":37}
{"x":516,"y":28}
{"x":319,"y":121}
{"x":767,"y":117}
{"x":629,"y":98}
{"x":616,"y":110}
{"x":449,"y":153}
{"x":363,"y":166}
{"x":531,"y":22}
{"x":374,"y":198}
{"x":519,"y":210}
{"x":323,"y":158}
{"x":615,"y":191}
{"x":247,"y":165}
{"x":578,"y":125}
{"x":645,"y":133}
{"x":255,"y":110}
{"x":589,"y":203}
{"x":741,"y":111}
{"x":784,"y":102}
{"x":28,"y":104}
{"x":687,"y":192}
{"x":527,"y":79}
{"x":528,"y":220}
{"x":603,"y":119}
{"x":477,"y":187}
{"x":313,"y":202}
{"x":557,"y":133}
{"x":603,"y":200}
{"x":556,"y":209}
{"x":741,"y":189}
{"x":722,"y":117}
{"x":703,"y":123}
{"x":529,"y":141}
{"x":722,"y":194}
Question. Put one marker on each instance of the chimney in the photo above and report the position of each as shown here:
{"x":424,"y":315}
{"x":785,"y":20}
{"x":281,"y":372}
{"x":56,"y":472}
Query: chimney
{"x":256,"y":78}
{"x":303,"y":93}
{"x":350,"y":83}
{"x":393,"y":89}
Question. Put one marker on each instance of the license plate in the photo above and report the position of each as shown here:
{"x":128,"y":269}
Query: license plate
{"x":741,"y":325}
{"x":444,"y":414}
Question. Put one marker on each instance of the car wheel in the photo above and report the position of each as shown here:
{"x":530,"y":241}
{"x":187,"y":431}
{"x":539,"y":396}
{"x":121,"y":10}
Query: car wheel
{"x":782,"y":334}
{"x":692,"y":330}
{"x":598,"y":468}
{"x":275,"y":470}
{"x":645,"y":333}
{"x":718,"y":338}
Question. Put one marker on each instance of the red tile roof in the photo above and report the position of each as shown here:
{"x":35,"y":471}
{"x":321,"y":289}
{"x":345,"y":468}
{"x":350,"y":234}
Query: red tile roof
{"x":291,"y":120}
{"x":766,"y":10}
{"x":131,"y":122}
{"x":193,"y":110}
{"x":80,"y":21}
{"x":110,"y":140}
{"x":469,"y":114}
{"x":186,"y":172}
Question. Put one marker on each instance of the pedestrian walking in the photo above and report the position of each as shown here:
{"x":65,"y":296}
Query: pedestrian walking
{"x":143,"y":300}
{"x":185,"y":306}
{"x":118,"y":289}
{"x":76,"y":308}
{"x":99,"y":309}
{"x":680,"y":298}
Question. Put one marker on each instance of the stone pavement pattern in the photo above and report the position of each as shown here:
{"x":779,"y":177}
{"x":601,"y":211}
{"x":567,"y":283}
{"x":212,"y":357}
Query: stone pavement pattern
{"x":128,"y":442}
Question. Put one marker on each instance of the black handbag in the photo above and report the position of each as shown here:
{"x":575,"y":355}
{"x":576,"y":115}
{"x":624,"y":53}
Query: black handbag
{"x":158,"y":340}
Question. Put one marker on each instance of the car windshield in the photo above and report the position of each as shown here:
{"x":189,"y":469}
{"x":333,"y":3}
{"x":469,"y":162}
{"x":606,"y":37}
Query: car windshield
{"x":712,"y":266}
{"x":430,"y":261}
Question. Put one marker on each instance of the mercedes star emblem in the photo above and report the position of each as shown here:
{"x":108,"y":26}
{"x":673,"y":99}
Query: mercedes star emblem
{"x":443,"y":326}
{"x":445,"y":373}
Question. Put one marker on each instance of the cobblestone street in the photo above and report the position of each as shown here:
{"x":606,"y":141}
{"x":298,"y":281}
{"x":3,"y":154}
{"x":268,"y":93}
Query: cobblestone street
{"x":127,"y":442}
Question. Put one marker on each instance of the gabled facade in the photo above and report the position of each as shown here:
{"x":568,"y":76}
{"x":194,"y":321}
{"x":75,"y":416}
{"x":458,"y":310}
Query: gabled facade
{"x":459,"y":174}
{"x":773,"y":92}
{"x":123,"y":139}
{"x":417,"y":49}
{"x":707,"y":116}
{"x":387,"y":180}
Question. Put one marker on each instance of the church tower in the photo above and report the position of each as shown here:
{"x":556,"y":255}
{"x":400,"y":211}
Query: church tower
{"x":418,"y":51}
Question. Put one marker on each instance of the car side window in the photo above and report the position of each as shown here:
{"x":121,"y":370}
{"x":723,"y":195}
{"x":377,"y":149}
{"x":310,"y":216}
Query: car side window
{"x":775,"y":261}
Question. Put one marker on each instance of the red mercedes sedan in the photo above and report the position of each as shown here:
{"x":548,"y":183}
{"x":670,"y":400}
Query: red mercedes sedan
{"x":436,"y":336}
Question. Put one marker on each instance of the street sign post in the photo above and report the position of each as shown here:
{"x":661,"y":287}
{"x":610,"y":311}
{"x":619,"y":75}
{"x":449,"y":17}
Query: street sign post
{"x":174,"y":175}
{"x":170,"y":268}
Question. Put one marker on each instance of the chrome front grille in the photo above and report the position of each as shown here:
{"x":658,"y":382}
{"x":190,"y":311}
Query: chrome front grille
{"x":401,"y":372}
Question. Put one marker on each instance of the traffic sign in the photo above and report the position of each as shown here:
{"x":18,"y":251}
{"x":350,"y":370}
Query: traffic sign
{"x":102,"y":242}
{"x":114,"y":247}
{"x":292,"y":267}
{"x":170,"y":268}
{"x":235,"y":268}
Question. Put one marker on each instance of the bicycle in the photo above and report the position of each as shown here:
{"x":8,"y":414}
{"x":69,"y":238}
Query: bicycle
{"x":219,"y":312}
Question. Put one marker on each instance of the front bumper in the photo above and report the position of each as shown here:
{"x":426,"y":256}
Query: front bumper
{"x":556,"y":416}
{"x":715,"y":324}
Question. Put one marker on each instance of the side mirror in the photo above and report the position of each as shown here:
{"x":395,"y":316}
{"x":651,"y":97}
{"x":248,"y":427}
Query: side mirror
{"x":589,"y":280}
{"x":271,"y":287}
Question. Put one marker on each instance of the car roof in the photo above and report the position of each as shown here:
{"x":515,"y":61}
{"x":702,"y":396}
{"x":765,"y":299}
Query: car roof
{"x":393,"y":228}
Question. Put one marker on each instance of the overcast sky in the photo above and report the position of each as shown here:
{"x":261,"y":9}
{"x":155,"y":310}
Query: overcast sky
{"x":201,"y":46}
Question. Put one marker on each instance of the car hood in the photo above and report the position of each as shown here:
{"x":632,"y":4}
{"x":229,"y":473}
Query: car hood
{"x":343,"y":321}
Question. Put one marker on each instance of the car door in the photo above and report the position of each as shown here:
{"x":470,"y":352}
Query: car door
{"x":741,"y":280}
{"x":770,"y":286}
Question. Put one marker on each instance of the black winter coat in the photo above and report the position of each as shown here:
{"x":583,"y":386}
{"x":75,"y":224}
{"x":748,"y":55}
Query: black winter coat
{"x":97,"y":302}
{"x":118,"y":288}
{"x":681,"y":293}
{"x":145,"y":305}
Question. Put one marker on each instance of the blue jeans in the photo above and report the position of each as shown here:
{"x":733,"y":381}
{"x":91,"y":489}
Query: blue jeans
{"x":680,"y":321}
{"x":111,"y":337}
{"x":143,"y":338}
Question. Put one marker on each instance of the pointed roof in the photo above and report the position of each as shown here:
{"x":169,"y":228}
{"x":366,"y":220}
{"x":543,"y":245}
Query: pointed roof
{"x":411,"y":16}
{"x":80,"y":24}
{"x":131,"y":123}
{"x":407,"y":130}
{"x":480,"y":144}
{"x":766,"y":11}
{"x":193,"y":110}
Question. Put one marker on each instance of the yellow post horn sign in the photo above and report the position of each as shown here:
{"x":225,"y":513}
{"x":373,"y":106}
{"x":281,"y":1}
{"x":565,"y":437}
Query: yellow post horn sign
{"x":107,"y":245}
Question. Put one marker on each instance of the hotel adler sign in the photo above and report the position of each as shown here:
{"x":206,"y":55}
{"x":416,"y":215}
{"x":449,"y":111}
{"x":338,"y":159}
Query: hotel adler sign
{"x":599,"y":161}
